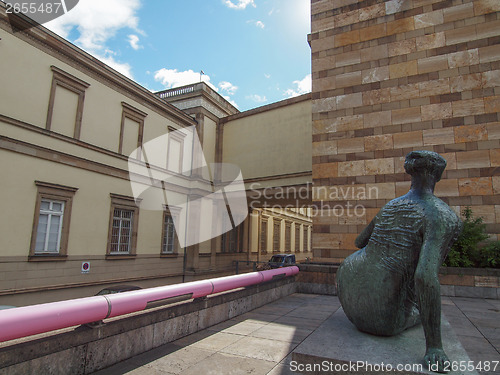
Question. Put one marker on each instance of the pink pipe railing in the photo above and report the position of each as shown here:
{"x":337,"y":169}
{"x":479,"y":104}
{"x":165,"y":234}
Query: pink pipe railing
{"x":31,"y":320}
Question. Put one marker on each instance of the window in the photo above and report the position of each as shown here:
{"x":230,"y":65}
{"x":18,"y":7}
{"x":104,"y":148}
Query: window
{"x":263,"y":235}
{"x":131,"y":130}
{"x":48,"y":234}
{"x":305,"y":239}
{"x":52,"y":219}
{"x":232,"y":241}
{"x":288,"y":237}
{"x":169,"y":242}
{"x":168,"y":235}
{"x":121,"y":235}
{"x":175,"y":150}
{"x":276,"y":235}
{"x":122,"y":238}
{"x":297,"y":238}
{"x":65,"y":114}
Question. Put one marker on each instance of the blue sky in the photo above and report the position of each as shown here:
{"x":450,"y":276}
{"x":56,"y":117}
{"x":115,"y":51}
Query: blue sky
{"x":253,"y":52}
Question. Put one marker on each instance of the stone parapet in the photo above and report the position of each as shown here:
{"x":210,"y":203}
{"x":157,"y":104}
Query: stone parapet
{"x":317,"y":279}
{"x":84,"y":350}
{"x":455,"y":282}
{"x":470,"y":282}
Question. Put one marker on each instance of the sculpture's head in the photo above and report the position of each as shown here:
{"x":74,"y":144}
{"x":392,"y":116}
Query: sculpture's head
{"x":425,"y":163}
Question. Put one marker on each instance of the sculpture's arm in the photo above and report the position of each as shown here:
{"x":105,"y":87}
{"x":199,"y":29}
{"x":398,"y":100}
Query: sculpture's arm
{"x":362,"y":240}
{"x":428,"y":292}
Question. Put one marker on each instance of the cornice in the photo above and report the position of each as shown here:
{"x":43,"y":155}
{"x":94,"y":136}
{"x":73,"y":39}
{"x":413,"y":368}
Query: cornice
{"x":206,"y":100}
{"x":269,"y":107}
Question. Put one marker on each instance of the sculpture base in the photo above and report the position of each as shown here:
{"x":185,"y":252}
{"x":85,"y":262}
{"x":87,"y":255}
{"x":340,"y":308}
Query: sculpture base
{"x":338,"y":347}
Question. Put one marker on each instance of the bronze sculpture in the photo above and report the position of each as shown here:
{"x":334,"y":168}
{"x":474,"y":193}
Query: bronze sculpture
{"x":391,"y":283}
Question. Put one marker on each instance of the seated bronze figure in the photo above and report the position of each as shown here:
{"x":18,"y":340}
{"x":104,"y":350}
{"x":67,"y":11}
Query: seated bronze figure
{"x":391,"y":283}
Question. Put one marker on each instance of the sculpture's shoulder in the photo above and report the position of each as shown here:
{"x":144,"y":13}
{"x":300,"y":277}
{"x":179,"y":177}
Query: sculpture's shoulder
{"x":404,"y":204}
{"x":442,"y":212}
{"x":404,"y":200}
{"x":441,"y":220}
{"x":429,"y":209}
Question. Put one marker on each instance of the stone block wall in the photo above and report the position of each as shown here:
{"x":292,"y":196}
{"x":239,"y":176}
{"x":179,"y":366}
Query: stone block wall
{"x":470,"y":282}
{"x":394,"y":76}
{"x":317,"y":279}
{"x":455,"y":282}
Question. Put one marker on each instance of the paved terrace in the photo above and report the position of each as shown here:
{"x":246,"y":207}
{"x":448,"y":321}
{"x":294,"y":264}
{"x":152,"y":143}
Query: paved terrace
{"x":262,"y":340}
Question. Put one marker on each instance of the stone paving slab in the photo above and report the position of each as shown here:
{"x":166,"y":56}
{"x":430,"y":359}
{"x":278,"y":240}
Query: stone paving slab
{"x":306,"y":323}
{"x":222,"y":363}
{"x":208,"y":340}
{"x":259,"y":348}
{"x":284,"y":334}
{"x":177,"y":361}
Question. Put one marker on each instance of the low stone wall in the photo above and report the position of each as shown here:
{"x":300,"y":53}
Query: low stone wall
{"x":470,"y":282}
{"x":84,"y":350}
{"x":317,"y":279}
{"x":455,"y":282}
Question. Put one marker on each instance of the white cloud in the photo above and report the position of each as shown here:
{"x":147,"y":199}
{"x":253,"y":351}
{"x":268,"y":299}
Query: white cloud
{"x":173,"y":78}
{"x":302,"y":87}
{"x":259,"y":24}
{"x":272,"y":11}
{"x":228,"y":87}
{"x":257,"y":98}
{"x":228,"y":98}
{"x":241,"y":4}
{"x":123,"y":68}
{"x":134,"y":42}
{"x":96,"y":22}
{"x":267,"y":75}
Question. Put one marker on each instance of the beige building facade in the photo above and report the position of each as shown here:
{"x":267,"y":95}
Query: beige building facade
{"x":72,"y":225}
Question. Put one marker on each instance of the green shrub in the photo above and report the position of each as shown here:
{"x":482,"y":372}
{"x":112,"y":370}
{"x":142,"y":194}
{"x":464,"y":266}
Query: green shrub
{"x":466,"y":251}
{"x":489,"y":255}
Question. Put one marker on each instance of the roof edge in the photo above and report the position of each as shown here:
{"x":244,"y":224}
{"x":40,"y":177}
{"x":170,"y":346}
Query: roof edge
{"x":268,"y":107}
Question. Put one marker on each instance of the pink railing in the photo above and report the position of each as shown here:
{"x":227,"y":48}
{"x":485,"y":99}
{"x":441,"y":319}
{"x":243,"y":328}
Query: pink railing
{"x":30,"y":320}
